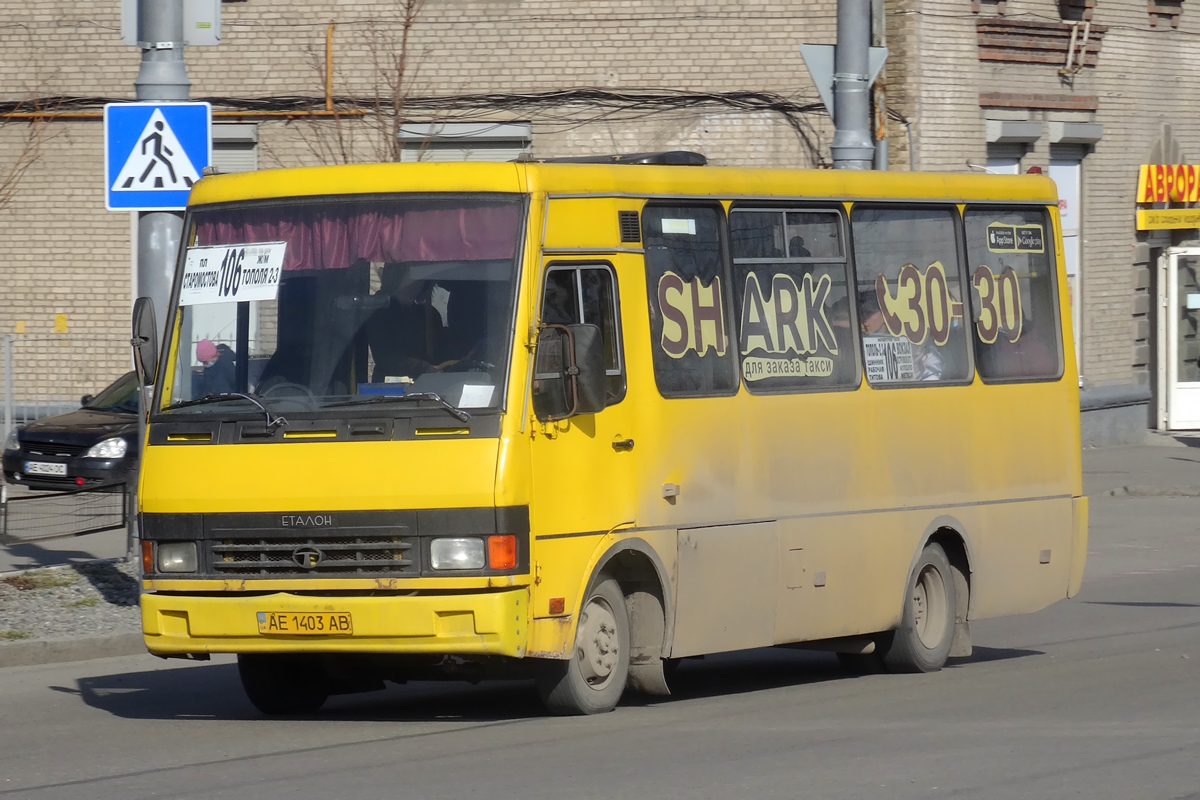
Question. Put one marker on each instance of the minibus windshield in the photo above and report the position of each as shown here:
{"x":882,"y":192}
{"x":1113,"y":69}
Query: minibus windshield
{"x":307,"y":305}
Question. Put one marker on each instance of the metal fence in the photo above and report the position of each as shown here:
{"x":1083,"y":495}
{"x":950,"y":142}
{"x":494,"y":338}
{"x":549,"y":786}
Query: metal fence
{"x":45,"y":374}
{"x":38,"y":516}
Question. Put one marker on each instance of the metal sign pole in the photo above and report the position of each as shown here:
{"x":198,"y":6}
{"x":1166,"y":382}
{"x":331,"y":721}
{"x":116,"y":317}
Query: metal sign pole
{"x":162,"y":76}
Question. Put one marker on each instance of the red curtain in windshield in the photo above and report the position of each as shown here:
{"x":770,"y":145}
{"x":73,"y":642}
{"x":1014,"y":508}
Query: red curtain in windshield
{"x":333,"y":236}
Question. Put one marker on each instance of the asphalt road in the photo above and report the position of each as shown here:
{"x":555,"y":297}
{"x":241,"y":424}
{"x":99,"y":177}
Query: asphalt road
{"x":1095,"y":697}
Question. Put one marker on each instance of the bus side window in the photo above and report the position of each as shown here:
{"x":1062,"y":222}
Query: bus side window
{"x":587,"y":294}
{"x":791,"y":295}
{"x":1014,"y":308}
{"x":691,"y":339}
{"x":911,"y":298}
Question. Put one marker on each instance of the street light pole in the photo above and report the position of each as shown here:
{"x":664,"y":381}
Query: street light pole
{"x":162,"y":77}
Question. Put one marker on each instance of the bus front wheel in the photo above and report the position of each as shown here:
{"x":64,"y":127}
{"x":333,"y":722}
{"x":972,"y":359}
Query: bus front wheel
{"x":283,"y":684}
{"x":592,"y":681}
{"x":922,"y":642}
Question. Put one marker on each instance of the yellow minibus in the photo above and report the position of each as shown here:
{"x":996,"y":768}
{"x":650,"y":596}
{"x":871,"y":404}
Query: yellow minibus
{"x":578,"y":420}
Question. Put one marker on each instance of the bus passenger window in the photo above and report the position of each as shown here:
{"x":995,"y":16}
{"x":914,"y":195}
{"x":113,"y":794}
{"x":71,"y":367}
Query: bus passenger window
{"x":910,"y":295}
{"x":791,"y":295}
{"x":586,"y":294}
{"x":1014,"y":309}
{"x":687,"y":285}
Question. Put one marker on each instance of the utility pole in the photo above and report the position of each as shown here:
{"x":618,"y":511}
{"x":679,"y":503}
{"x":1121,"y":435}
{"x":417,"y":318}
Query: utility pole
{"x":162,"y":77}
{"x":852,"y":147}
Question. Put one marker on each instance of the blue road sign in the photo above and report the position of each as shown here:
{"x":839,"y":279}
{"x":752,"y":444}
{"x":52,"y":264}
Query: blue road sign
{"x":153,"y":153}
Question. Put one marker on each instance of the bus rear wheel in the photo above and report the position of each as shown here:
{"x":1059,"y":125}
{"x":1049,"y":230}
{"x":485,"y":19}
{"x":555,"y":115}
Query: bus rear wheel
{"x":922,"y":642}
{"x":592,"y":681}
{"x":278,"y":684}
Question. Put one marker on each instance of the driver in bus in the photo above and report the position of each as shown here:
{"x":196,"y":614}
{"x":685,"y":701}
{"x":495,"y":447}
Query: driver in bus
{"x":399,"y":334}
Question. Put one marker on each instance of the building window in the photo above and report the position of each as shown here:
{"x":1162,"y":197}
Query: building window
{"x":1164,"y":11}
{"x":465,"y":141}
{"x":1005,"y":159}
{"x":235,"y":147}
{"x":1007,"y":142}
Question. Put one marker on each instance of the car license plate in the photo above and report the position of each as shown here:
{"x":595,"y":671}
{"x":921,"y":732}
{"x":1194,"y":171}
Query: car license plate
{"x":45,"y":468}
{"x":305,"y":623}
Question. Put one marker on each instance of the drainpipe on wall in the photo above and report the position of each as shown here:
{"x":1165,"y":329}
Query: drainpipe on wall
{"x":852,"y":147}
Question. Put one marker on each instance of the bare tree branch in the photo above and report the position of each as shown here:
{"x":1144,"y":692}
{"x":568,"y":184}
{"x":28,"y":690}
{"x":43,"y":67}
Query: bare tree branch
{"x":36,"y":133}
{"x":369,"y":127}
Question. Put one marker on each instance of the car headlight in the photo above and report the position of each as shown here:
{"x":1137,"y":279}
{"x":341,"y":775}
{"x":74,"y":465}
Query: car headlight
{"x":10,"y":441}
{"x":176,"y":556}
{"x":109,"y":448}
{"x":456,"y":553}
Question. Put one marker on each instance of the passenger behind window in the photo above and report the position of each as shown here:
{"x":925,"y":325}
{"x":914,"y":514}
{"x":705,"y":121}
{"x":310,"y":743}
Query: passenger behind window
{"x":219,"y":372}
{"x":928,"y":361}
{"x":1029,"y":355}
{"x":796,"y":248}
{"x":399,"y":333}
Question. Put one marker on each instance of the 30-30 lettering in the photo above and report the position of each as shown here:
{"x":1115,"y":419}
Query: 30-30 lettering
{"x":922,"y":305}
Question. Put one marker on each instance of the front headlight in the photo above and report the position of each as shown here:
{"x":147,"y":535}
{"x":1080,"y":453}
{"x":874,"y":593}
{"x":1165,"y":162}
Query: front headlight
{"x":10,"y":441}
{"x":109,"y":448}
{"x":456,"y":553}
{"x":176,"y":556}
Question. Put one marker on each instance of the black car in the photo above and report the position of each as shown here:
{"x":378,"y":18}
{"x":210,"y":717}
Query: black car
{"x":95,"y":446}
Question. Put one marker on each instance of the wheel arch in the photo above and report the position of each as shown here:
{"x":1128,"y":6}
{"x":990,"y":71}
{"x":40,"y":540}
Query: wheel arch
{"x":635,"y":565}
{"x":951,"y":534}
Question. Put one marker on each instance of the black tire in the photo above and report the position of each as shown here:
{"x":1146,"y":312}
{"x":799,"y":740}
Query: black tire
{"x":922,"y":642}
{"x":593,"y":680}
{"x":283,"y":684}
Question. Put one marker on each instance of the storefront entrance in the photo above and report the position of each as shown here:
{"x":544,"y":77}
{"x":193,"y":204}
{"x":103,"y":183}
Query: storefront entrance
{"x":1179,"y":348}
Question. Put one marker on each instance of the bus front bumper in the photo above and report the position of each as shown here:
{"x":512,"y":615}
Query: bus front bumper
{"x":486,"y":623}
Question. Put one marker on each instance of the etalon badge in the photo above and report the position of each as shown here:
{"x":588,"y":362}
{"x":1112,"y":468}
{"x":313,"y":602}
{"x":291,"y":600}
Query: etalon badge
{"x":307,"y":557}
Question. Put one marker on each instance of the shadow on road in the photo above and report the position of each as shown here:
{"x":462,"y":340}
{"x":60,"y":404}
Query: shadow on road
{"x":214,"y":692}
{"x":981,"y":655}
{"x":1140,"y":604}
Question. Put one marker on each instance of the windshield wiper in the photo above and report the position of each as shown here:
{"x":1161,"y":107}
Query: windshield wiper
{"x":458,"y":413}
{"x":217,"y":397}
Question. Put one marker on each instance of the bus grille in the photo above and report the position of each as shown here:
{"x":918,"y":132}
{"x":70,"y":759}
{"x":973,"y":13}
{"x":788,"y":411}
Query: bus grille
{"x":342,"y":556}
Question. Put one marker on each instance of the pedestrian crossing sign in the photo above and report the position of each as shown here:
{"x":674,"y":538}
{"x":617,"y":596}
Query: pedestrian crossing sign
{"x":154,"y":153}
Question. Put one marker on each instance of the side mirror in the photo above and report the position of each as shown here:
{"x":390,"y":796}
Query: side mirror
{"x":87,"y":398}
{"x":568,"y":372}
{"x":145,"y":340}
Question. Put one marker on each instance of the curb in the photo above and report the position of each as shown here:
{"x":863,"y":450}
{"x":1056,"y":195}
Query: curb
{"x":56,"y":651}
{"x":1155,"y":491}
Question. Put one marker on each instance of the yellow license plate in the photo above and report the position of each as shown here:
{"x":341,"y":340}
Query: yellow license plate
{"x":305,"y":623}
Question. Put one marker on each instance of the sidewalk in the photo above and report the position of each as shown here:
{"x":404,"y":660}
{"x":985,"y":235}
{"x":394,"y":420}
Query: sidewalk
{"x":1168,"y":466}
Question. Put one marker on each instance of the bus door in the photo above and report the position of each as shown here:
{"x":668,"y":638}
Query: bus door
{"x":583,"y":468}
{"x":1181,"y":307}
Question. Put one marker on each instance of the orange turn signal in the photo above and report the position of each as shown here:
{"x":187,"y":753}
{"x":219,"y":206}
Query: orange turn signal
{"x":558,"y":605}
{"x":502,"y":552}
{"x":147,"y":557}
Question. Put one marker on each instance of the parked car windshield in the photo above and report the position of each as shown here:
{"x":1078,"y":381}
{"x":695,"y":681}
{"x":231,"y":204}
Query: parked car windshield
{"x":120,"y":396}
{"x":307,"y":304}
